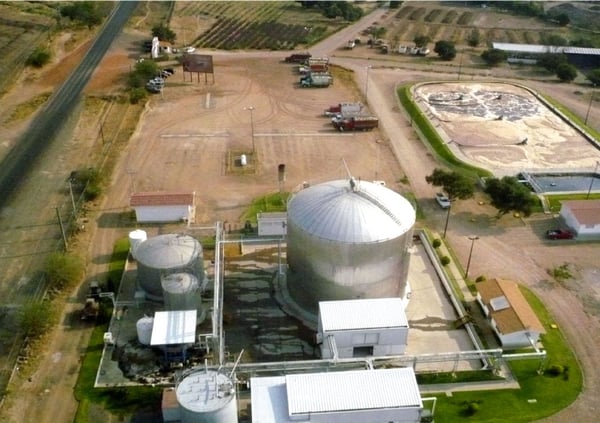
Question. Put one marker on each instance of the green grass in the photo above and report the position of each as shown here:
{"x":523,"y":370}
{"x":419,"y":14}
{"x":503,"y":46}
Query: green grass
{"x":554,"y":201}
{"x":274,"y":202}
{"x":551,"y":393}
{"x":573,"y":117}
{"x":117,"y":264}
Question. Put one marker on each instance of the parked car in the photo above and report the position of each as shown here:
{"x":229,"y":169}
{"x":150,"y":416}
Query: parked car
{"x":559,"y":234}
{"x":169,"y":70}
{"x":442,"y":200}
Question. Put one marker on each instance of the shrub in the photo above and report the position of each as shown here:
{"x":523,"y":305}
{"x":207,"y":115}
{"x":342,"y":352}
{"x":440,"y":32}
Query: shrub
{"x":555,"y":370}
{"x":566,"y":72}
{"x":436,"y":243}
{"x":472,"y":408}
{"x":445,"y":261}
{"x":39,"y":57}
{"x":137,"y":94}
{"x":480,"y":278}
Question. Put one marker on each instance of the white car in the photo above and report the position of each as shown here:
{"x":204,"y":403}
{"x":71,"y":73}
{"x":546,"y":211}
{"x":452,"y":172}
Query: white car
{"x":442,"y":200}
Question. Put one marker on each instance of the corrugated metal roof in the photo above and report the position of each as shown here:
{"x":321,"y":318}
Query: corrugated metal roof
{"x":352,"y":390}
{"x":174,"y":327}
{"x":362,"y":314}
{"x":542,"y":49}
{"x":168,"y":251}
{"x":587,"y":212}
{"x":337,"y":212}
{"x":162,"y":198}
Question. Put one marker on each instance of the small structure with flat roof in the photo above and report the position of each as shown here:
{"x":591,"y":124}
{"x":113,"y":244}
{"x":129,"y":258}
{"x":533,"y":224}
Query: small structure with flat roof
{"x":164,"y":206}
{"x":358,"y":328}
{"x":174,"y":331}
{"x":272,"y":224}
{"x":512,"y":318}
{"x":582,"y":216}
{"x":358,"y":396}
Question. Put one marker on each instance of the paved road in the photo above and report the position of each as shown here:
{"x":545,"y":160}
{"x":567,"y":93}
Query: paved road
{"x":44,"y":128}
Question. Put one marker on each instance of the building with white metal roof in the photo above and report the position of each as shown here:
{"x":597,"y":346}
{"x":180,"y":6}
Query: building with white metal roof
{"x":357,"y":328}
{"x":582,"y":56}
{"x":174,"y":327}
{"x":359,"y":396}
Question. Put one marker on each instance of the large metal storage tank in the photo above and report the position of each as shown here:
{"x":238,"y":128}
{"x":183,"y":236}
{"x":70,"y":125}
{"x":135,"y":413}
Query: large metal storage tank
{"x":163,"y":255}
{"x":207,"y":397}
{"x":348,"y":239}
{"x":181,"y":291}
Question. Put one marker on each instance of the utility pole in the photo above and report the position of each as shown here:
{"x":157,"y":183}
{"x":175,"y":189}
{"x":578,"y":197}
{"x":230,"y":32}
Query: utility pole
{"x":473,"y":239}
{"x":62,"y":228}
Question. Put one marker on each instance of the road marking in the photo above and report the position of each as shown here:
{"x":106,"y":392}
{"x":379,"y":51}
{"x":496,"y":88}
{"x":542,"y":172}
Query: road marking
{"x":201,"y":135}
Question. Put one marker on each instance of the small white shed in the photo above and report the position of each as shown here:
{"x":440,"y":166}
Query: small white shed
{"x":510,"y":315}
{"x":164,"y":206}
{"x":359,"y":328}
{"x":582,"y":216}
{"x":357,"y":396}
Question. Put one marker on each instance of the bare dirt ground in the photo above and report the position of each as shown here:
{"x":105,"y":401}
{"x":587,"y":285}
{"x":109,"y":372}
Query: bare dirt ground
{"x":184,"y":140}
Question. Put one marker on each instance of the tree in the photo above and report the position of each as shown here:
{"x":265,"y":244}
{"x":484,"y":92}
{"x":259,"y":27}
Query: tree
{"x":445,"y":49}
{"x":594,"y":76}
{"x":86,"y":12}
{"x":456,"y":185}
{"x":35,"y":318}
{"x":553,"y":40}
{"x":494,"y":56}
{"x":394,"y":4}
{"x":421,"y":40}
{"x":550,"y":61}
{"x":508,"y":194}
{"x":563,"y":19}
{"x":63,"y":270}
{"x":474,"y":38}
{"x":566,"y":72}
{"x":164,"y":33}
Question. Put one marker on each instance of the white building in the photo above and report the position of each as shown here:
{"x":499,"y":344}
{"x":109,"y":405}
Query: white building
{"x":358,"y":396}
{"x":161,"y":206}
{"x":510,"y":315}
{"x":359,"y":328}
{"x":582,"y":216}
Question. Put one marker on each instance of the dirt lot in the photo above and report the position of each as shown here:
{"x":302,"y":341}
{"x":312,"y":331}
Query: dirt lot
{"x":188,"y":137}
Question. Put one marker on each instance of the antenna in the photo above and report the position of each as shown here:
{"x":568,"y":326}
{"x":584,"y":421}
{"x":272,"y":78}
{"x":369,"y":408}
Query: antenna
{"x":346,"y":167}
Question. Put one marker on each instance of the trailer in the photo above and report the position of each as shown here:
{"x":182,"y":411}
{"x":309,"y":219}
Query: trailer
{"x":356,"y":123}
{"x":344,"y":109}
{"x":316,"y":80}
{"x":90,"y":309}
{"x":298,"y":57}
{"x":317,"y":60}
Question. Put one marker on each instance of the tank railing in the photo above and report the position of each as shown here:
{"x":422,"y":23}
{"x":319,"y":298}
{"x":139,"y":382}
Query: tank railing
{"x":375,"y":201}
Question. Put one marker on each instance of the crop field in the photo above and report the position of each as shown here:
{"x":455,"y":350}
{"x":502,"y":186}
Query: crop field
{"x":271,"y":25}
{"x":23,"y":26}
{"x":455,"y":23}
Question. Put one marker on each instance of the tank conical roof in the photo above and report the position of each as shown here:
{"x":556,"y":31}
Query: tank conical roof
{"x":351,"y":211}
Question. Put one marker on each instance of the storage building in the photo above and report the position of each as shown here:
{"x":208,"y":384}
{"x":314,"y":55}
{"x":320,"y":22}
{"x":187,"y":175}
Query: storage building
{"x":161,"y":206}
{"x":358,"y":396}
{"x":358,"y":328}
{"x":583,"y":217}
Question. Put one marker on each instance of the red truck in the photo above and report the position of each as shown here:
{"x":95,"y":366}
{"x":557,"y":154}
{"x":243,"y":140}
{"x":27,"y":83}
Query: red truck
{"x":356,"y":123}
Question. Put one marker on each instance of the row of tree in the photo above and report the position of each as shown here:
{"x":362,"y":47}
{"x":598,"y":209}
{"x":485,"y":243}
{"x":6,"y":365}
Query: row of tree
{"x":506,"y":194}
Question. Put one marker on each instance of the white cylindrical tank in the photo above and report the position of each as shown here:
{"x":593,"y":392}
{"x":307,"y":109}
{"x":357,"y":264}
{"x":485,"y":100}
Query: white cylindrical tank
{"x":144,"y":329}
{"x":135,"y":239}
{"x":207,"y":396}
{"x":348,"y":239}
{"x":165,"y":254}
{"x":181,"y":291}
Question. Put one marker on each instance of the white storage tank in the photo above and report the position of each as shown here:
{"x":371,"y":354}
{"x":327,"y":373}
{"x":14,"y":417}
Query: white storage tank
{"x":135,"y":239}
{"x":348,"y":239}
{"x":163,"y":255}
{"x":207,"y":396}
{"x":181,"y":291}
{"x":144,"y":328}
